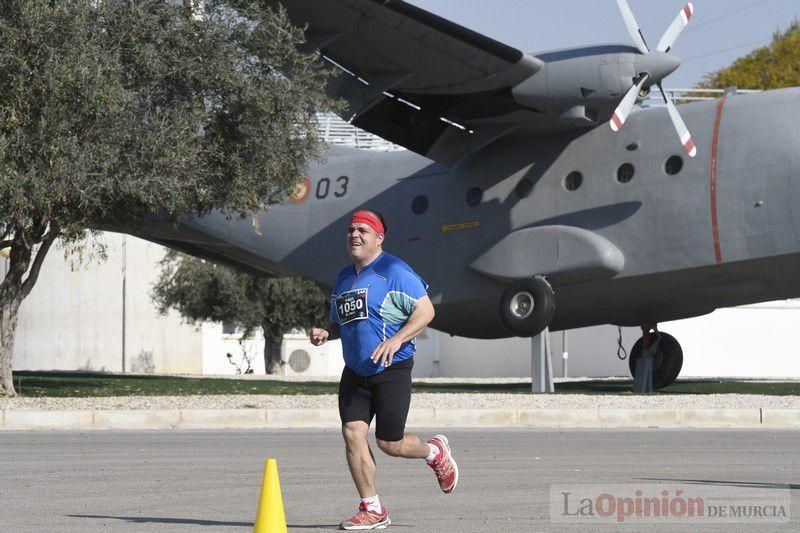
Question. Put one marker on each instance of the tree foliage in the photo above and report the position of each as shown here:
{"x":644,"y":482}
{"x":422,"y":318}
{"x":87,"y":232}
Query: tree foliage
{"x":111,"y":111}
{"x":200,"y":291}
{"x":770,"y":67}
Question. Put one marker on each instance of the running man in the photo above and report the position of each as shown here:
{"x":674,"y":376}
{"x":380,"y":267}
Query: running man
{"x":379,"y":304}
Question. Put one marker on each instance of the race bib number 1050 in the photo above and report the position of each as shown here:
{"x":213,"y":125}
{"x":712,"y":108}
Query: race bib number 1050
{"x":352,"y":305}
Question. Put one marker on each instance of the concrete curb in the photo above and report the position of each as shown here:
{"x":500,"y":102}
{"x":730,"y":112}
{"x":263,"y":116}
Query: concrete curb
{"x":419,"y":418}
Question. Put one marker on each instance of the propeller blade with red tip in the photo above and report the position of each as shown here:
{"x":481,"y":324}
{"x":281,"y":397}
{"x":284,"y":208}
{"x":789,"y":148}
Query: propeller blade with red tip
{"x":680,"y":126}
{"x":675,"y":29}
{"x":626,"y":105}
{"x":633,"y":26}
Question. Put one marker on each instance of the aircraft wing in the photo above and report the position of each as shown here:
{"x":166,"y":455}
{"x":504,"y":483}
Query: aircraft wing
{"x":414,"y":78}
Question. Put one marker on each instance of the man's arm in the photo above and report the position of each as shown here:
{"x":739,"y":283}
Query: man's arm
{"x":321,"y":335}
{"x":333,"y":331}
{"x":421,"y":316}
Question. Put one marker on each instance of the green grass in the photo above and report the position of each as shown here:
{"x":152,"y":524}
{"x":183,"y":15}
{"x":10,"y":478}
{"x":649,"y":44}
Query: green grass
{"x":63,"y":384}
{"x":70,"y":384}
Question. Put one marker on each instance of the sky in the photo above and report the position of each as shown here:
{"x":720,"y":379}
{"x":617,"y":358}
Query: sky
{"x":720,"y":30}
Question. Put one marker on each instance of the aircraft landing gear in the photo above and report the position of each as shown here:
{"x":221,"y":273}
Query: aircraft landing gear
{"x":667,"y":359}
{"x":527,"y":306}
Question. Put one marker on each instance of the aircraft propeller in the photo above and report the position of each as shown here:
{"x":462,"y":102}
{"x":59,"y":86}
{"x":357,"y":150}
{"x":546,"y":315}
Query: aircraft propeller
{"x":654,"y":66}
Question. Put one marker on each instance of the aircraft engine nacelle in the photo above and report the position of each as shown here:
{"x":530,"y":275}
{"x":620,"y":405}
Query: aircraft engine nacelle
{"x":591,"y":80}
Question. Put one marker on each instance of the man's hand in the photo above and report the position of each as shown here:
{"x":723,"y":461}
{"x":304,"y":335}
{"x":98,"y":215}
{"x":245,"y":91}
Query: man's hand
{"x":385,"y":351}
{"x":318,"y":336}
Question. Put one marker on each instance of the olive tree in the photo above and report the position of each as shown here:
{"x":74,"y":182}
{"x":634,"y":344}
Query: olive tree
{"x":200,"y":290}
{"x":111,"y":111}
{"x":772,"y":66}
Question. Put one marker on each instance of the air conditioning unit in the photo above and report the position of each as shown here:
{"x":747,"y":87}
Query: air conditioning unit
{"x":302,"y":358}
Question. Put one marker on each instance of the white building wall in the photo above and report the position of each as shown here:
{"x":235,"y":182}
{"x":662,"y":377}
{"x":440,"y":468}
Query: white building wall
{"x":592,"y":352}
{"x":754,"y":341}
{"x":168,"y":341}
{"x":73,"y":320}
{"x":217,"y":346}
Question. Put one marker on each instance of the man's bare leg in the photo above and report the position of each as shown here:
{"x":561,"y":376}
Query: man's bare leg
{"x":359,"y":457}
{"x":410,"y":447}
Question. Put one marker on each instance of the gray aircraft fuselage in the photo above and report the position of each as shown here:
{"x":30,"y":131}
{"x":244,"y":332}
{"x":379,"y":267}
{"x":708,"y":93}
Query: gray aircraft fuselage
{"x":723,"y":231}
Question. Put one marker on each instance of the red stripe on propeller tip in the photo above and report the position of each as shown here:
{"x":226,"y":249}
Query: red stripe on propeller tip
{"x":617,"y":121}
{"x":687,"y":10}
{"x":690,"y":147}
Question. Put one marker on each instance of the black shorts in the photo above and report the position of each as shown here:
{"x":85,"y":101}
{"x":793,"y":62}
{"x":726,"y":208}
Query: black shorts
{"x":386,"y":396}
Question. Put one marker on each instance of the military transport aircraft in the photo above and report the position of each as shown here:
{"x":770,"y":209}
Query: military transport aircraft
{"x":534,"y":192}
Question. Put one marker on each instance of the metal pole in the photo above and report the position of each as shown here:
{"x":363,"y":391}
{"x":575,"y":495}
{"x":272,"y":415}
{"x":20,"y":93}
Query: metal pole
{"x":564,"y":354}
{"x":437,"y":356}
{"x":541,"y":363}
{"x":124,"y":289}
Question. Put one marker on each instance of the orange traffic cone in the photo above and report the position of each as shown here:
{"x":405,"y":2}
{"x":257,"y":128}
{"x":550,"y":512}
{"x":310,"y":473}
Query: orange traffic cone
{"x":270,"y":517}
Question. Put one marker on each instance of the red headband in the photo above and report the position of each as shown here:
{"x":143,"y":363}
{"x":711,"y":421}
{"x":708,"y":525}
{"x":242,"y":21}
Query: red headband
{"x":369,"y":219}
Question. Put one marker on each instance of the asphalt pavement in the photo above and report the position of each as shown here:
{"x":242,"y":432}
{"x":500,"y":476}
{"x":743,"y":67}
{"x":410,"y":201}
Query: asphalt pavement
{"x":183,"y":480}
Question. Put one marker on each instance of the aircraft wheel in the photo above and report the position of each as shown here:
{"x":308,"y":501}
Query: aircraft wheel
{"x":667,"y":362}
{"x":527,"y":306}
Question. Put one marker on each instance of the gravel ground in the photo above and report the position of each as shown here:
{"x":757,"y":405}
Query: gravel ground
{"x":420,"y":400}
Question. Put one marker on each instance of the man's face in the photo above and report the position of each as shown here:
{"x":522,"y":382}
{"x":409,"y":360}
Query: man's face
{"x":362,"y":241}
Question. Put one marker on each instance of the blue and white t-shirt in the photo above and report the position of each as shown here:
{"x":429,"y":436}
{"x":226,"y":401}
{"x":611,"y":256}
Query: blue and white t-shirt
{"x":372,"y":306}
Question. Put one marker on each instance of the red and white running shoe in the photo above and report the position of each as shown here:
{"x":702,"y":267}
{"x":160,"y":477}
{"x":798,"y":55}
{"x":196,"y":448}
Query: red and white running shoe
{"x":444,"y":465}
{"x":365,"y":519}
